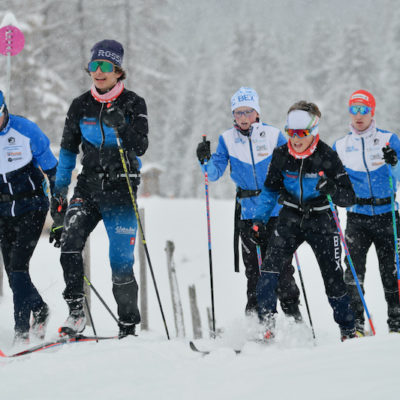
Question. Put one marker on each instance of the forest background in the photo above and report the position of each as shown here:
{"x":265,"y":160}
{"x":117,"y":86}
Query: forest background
{"x":187,"y":58}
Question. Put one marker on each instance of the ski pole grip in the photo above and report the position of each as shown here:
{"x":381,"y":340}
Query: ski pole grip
{"x":321,"y":173}
{"x":204,"y":138}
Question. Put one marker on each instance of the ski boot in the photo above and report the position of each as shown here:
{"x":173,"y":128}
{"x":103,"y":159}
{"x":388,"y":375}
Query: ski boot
{"x":39,"y":323}
{"x":291,"y":309}
{"x":348,"y":334}
{"x":76,"y":321}
{"x":360,"y":331}
{"x":268,"y":324}
{"x":126,"y":329}
{"x":21,"y":338}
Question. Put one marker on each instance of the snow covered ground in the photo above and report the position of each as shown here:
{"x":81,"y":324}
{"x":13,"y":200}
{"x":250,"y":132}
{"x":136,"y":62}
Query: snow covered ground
{"x":151,"y":367}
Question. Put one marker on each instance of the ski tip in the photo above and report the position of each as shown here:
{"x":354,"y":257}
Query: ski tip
{"x":2,"y":354}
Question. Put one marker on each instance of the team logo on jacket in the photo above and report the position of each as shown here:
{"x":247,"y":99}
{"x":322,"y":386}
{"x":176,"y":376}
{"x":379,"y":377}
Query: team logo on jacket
{"x":89,"y":121}
{"x":121,"y":230}
{"x":11,"y":140}
{"x":293,"y":175}
{"x":262,"y":134}
{"x":311,"y":175}
{"x":350,"y":149}
{"x":14,"y":156}
{"x":376,"y":142}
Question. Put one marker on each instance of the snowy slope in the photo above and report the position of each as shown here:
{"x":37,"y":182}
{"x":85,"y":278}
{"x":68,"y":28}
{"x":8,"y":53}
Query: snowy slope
{"x":150,"y":367}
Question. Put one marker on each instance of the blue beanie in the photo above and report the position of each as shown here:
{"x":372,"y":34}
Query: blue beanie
{"x":109,"y":50}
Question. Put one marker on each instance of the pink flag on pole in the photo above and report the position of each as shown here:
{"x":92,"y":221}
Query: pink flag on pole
{"x":12,"y":40}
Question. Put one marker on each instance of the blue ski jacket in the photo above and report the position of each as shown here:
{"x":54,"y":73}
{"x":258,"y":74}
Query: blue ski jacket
{"x":362,"y":157}
{"x":249,"y":158}
{"x":25,"y":151}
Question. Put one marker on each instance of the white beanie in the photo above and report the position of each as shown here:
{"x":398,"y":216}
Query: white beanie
{"x":299,"y":119}
{"x":245,"y":96}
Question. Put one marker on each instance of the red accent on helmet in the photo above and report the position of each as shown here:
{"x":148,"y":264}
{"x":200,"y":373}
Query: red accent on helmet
{"x":364,"y":97}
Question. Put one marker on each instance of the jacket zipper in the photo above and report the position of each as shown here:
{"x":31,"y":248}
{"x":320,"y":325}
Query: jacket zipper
{"x":103,"y":137}
{"x":301,"y":182}
{"x":253,"y":164}
{"x":369,"y":177}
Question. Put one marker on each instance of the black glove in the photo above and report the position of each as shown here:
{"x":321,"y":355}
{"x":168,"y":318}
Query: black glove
{"x":389,"y":155}
{"x":326,"y":186}
{"x":132,"y":161}
{"x":114,"y":117}
{"x":58,"y":208}
{"x":258,"y":233}
{"x":203,"y":151}
{"x":55,"y":234}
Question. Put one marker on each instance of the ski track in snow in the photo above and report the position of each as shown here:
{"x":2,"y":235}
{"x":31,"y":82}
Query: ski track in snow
{"x":150,"y":367}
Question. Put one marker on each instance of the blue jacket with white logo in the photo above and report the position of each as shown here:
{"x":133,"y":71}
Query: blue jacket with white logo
{"x":249,"y":158}
{"x":24,"y":149}
{"x":362,"y":157}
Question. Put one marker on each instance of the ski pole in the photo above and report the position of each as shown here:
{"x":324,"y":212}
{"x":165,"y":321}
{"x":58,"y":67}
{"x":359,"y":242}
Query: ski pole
{"x":209,"y":240}
{"x":259,"y":257}
{"x":304,"y":293}
{"x":396,"y":249}
{"x":133,"y":198}
{"x":258,"y":248}
{"x":100,"y":298}
{"x":353,"y":271}
{"x":91,"y":318}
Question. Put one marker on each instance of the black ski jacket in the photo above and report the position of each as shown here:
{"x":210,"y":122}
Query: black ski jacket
{"x":101,"y":161}
{"x":294,"y":182}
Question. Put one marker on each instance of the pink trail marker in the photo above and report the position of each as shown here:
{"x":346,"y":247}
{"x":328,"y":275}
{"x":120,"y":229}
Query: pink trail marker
{"x":12,"y":40}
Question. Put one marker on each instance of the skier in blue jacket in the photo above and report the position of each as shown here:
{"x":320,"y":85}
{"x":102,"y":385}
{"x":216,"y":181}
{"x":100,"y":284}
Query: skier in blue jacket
{"x":248,"y":147}
{"x":369,"y":154}
{"x":26,"y":155}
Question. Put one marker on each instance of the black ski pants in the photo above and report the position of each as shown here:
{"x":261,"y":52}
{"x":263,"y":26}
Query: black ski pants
{"x":361,"y":232}
{"x":319,"y":231}
{"x":18,"y":239}
{"x":288,"y":292}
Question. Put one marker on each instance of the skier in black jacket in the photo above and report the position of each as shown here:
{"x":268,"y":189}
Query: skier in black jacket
{"x":293,"y":176}
{"x":101,"y":192}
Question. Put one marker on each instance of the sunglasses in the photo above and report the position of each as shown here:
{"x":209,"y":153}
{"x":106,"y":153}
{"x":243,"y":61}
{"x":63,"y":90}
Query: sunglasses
{"x":363,"y":110}
{"x":300,"y":133}
{"x":105,"y":66}
{"x":238,"y":114}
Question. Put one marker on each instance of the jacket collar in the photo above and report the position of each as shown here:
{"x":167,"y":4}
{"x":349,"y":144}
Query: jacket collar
{"x":370,"y":132}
